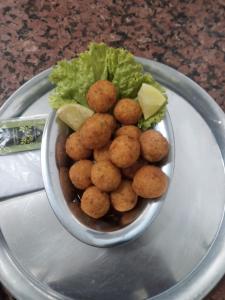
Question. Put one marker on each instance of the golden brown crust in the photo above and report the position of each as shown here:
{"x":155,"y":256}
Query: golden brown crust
{"x":127,"y":111}
{"x":75,"y":149}
{"x":129,"y":130}
{"x":150,"y":182}
{"x":95,"y":132}
{"x":102,"y":153}
{"x":101,"y":96}
{"x":105,"y":176}
{"x":94,"y":202}
{"x":129,"y":172}
{"x":124,"y":151}
{"x":124,"y":198}
{"x":80,"y":174}
{"x":154,"y":146}
{"x":111,"y":121}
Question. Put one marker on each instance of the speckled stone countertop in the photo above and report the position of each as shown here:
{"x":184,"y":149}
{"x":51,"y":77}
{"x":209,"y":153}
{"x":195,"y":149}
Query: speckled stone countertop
{"x":187,"y":35}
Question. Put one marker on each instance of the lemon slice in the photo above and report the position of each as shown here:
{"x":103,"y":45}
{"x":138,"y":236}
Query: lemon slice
{"x":74,"y":115}
{"x":150,"y":100}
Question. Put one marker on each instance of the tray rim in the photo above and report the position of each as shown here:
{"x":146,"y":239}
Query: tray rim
{"x":194,"y":285}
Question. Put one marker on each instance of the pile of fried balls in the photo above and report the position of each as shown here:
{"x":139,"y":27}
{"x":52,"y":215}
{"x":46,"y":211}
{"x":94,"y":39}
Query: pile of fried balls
{"x":113,"y":159}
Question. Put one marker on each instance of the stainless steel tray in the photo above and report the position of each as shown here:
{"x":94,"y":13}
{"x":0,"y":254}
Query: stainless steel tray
{"x":180,"y":256}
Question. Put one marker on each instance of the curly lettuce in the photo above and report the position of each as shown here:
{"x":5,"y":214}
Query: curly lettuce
{"x":153,"y":120}
{"x":73,"y":78}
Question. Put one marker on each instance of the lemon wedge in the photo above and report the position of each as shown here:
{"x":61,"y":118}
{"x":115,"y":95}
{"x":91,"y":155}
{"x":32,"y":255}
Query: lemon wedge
{"x":150,"y":100}
{"x":74,"y":115}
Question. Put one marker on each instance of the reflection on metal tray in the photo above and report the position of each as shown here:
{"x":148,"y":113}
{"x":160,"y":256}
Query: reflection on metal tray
{"x":180,"y":256}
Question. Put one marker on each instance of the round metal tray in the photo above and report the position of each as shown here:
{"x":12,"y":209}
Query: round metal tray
{"x":180,"y":256}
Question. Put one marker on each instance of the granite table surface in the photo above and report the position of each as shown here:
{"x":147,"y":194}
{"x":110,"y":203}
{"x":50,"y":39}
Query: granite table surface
{"x":188,"y":35}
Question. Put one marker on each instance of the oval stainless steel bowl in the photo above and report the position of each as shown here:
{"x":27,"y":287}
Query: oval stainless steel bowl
{"x":111,"y":230}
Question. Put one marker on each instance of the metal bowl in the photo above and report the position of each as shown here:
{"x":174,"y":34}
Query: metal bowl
{"x":111,"y":230}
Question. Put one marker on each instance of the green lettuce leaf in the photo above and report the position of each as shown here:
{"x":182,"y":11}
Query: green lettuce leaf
{"x":73,"y":78}
{"x":153,"y":120}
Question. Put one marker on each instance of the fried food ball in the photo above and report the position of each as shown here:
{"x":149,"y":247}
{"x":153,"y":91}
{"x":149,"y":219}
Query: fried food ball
{"x":111,"y":121}
{"x":105,"y":176}
{"x":130,"y":130}
{"x":124,"y":151}
{"x":82,"y":216}
{"x":95,"y":132}
{"x":102,"y":153}
{"x":124,"y":198}
{"x":129,"y":172}
{"x":75,"y":149}
{"x":80,"y":174}
{"x":94,"y":202}
{"x":154,"y":146}
{"x":127,"y":111}
{"x":101,"y":96}
{"x":150,"y":182}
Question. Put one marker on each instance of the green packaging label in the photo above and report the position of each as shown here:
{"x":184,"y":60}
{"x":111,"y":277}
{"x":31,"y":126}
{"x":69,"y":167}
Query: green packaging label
{"x":21,"y":134}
